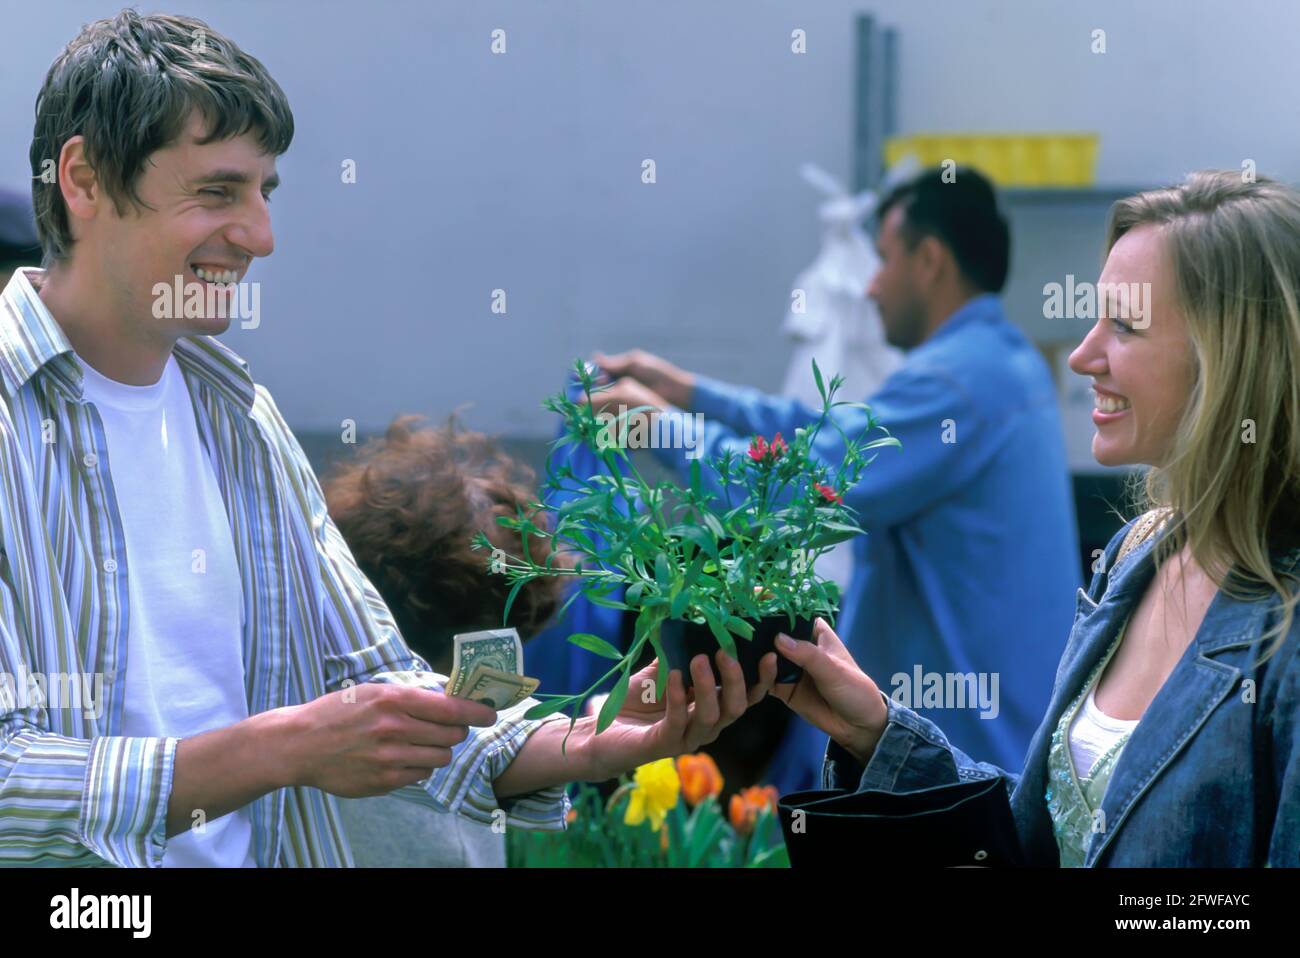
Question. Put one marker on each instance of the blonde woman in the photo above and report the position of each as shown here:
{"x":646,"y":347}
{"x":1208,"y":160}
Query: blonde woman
{"x":1173,"y":733}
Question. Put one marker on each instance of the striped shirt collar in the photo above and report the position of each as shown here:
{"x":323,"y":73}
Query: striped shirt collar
{"x":32,"y":340}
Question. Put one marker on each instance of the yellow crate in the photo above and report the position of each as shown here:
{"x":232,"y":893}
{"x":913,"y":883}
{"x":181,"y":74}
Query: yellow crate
{"x":1013,"y":159}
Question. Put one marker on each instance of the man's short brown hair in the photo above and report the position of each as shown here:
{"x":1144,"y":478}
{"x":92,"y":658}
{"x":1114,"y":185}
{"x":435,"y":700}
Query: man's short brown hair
{"x":408,"y":506}
{"x":129,"y":84}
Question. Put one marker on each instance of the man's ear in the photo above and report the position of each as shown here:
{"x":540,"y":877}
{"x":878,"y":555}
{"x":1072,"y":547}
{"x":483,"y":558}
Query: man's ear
{"x":931,"y":257}
{"x":78,"y":182}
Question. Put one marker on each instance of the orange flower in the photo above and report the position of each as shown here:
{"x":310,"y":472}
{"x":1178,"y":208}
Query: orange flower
{"x":571,"y":816}
{"x":700,"y":777}
{"x":746,"y":805}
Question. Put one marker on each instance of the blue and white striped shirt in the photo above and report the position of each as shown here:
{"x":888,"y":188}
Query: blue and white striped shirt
{"x":73,"y":790}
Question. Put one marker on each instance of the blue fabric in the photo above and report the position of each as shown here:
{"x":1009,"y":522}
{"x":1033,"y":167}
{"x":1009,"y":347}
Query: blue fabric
{"x":970,"y":562}
{"x":1209,"y":777}
{"x":561,"y":666}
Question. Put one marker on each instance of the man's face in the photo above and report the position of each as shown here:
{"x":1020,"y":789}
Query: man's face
{"x":895,"y":288}
{"x":209,"y":213}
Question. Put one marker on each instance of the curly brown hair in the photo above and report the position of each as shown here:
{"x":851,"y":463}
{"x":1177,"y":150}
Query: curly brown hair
{"x":409,"y":504}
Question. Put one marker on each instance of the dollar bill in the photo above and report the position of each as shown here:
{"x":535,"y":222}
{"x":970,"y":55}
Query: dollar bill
{"x":488,"y":667}
{"x":500,"y":690}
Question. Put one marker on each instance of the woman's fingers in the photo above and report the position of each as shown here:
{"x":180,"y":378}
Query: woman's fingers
{"x":676,"y":717}
{"x":826,"y":638}
{"x":706,"y":710}
{"x":766,"y":679}
{"x":734,"y":700}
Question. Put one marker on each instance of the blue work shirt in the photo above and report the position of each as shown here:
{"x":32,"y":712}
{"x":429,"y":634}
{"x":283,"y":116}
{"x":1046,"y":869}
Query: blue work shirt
{"x":970,"y":563}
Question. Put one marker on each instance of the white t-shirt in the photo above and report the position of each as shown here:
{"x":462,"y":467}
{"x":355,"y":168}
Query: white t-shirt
{"x":185,"y":658}
{"x":1093,"y":733}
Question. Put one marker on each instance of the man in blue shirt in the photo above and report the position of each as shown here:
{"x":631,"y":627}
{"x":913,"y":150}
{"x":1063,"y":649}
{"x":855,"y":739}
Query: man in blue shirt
{"x":965,"y":582}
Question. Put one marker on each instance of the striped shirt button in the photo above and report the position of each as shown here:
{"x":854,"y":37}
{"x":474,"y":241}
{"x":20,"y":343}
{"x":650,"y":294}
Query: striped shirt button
{"x":91,"y":460}
{"x":110,"y":565}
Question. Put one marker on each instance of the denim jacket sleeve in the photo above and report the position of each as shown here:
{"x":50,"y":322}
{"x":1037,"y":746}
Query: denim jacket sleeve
{"x":913,"y":753}
{"x":1284,"y":843}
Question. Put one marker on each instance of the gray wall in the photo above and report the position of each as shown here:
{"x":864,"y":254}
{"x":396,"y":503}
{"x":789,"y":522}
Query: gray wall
{"x":523,"y":171}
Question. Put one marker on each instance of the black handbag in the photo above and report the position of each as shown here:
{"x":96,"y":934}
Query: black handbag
{"x":964,"y":824}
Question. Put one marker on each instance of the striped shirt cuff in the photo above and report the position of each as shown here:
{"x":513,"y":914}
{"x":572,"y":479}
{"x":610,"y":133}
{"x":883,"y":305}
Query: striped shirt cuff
{"x":124,"y":797}
{"x":465,"y":785}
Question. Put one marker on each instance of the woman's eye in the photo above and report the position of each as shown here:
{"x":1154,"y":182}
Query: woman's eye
{"x":1121,"y":327}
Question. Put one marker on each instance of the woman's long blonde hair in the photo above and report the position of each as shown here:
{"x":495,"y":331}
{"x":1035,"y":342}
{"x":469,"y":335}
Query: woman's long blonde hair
{"x":1231,"y":485}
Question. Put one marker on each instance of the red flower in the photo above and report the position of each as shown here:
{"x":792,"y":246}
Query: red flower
{"x":760,"y":451}
{"x":829,"y":494}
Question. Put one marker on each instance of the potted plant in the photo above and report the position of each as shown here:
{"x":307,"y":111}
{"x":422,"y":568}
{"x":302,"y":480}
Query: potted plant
{"x":728,"y":565}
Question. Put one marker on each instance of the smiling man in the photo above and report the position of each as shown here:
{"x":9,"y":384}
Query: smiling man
{"x":161,"y":527}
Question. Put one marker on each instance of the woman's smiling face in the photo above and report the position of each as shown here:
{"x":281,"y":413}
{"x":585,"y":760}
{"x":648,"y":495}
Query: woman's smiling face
{"x":1140,"y":359}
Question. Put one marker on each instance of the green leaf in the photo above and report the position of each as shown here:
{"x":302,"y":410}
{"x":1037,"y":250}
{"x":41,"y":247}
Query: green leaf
{"x":693,"y":571}
{"x":680,"y":601}
{"x":543,"y":709}
{"x":821,"y":386}
{"x":663,"y":573}
{"x":745,"y":599}
{"x":594,"y":643}
{"x":740,"y":627}
{"x":696,"y":535}
{"x":696,"y":487}
{"x":605,"y":603}
{"x":647,"y":623}
{"x":661,"y":669}
{"x":833,"y":532}
{"x":610,"y":709}
{"x":632,"y":595}
{"x":778,"y":856}
{"x":510,"y":599}
{"x":725,"y":641}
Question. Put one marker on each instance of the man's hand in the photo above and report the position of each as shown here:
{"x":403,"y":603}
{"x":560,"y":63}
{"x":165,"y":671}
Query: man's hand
{"x":655,"y":373}
{"x":833,"y":693}
{"x":373,"y":738}
{"x":630,"y":394}
{"x":646,"y":729}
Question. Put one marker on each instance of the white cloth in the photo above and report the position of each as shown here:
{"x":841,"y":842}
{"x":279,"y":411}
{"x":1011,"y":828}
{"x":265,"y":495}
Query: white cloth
{"x":185,"y":660}
{"x":1093,"y":733}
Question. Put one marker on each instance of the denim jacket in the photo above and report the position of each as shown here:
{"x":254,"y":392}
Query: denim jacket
{"x":1209,"y":777}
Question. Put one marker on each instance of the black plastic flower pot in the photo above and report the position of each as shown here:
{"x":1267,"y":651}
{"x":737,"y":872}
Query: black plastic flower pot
{"x":682,"y":641}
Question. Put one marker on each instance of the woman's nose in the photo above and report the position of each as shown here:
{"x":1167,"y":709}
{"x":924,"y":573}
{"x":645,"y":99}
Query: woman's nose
{"x":1088,"y":358}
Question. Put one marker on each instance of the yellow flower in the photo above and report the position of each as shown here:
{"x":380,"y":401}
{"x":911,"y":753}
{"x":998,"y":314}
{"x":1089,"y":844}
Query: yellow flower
{"x":654,"y":792}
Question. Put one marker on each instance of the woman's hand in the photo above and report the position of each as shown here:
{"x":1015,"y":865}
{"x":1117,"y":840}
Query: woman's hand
{"x":680,"y":722}
{"x":833,"y":693}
